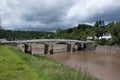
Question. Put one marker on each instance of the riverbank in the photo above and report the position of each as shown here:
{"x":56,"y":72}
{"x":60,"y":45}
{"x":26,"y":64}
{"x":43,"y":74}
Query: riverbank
{"x":108,"y":49}
{"x":16,"y":65}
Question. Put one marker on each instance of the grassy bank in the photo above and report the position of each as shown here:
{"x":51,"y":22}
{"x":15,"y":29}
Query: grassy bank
{"x":15,"y":65}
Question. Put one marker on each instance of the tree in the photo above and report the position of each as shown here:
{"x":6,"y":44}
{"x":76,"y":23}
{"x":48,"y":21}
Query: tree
{"x":116,"y":33}
{"x":110,"y":27}
{"x":99,"y":23}
{"x":90,"y":32}
{"x":96,"y":24}
{"x":59,"y":33}
{"x":99,"y":31}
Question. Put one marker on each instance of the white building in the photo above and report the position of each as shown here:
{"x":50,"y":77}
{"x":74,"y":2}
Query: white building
{"x":106,"y":36}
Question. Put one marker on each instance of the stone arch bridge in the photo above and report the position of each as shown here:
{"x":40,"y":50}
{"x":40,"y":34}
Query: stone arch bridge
{"x":49,"y":44}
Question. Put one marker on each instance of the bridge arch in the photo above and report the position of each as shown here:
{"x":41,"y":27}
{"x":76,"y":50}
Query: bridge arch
{"x":68,"y":45}
{"x":80,"y":45}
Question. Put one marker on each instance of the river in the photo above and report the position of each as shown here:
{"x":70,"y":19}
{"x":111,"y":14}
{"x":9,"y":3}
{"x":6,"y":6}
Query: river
{"x":103,"y":65}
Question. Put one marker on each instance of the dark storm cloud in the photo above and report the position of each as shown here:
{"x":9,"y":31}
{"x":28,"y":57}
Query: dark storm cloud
{"x":113,"y":15}
{"x":109,"y":15}
{"x":49,"y":15}
{"x":44,"y":17}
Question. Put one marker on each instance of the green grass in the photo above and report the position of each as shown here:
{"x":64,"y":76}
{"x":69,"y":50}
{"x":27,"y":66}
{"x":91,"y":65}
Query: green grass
{"x":16,"y":65}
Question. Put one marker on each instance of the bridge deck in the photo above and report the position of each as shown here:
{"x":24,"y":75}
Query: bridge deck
{"x":46,"y":40}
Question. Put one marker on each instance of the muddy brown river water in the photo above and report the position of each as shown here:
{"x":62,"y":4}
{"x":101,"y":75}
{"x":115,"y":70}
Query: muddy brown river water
{"x":103,"y":65}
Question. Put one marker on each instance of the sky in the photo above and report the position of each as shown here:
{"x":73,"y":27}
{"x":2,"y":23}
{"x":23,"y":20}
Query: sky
{"x":49,"y":15}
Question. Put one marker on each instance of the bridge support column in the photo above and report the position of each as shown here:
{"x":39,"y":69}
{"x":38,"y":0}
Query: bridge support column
{"x":82,"y":46}
{"x":72,"y":48}
{"x":78,"y":47}
{"x":85,"y":46}
{"x":28,"y":48}
{"x":68,"y":47}
{"x":48,"y":49}
{"x":25,"y":48}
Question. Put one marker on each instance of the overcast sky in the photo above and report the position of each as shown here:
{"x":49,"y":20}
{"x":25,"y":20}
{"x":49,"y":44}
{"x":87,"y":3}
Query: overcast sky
{"x":49,"y":15}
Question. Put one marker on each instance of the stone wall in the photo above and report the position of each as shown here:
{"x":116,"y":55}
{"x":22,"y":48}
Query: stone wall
{"x":108,"y":49}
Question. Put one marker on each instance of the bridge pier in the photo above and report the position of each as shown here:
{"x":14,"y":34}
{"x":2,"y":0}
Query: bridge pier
{"x":28,"y":48}
{"x":70,"y":48}
{"x":81,"y":46}
{"x":48,"y":49}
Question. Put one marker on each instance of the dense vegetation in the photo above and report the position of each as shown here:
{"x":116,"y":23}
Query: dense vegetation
{"x":80,"y":32}
{"x":19,"y":35}
{"x":15,"y":65}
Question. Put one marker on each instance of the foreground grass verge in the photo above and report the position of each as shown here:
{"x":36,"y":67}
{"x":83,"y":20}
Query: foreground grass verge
{"x":16,"y":65}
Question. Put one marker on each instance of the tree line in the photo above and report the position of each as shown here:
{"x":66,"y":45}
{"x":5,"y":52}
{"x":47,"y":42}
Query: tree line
{"x":79,"y":32}
{"x":22,"y":35}
{"x":82,"y":31}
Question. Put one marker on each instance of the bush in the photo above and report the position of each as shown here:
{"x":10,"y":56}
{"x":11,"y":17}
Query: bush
{"x":105,"y":42}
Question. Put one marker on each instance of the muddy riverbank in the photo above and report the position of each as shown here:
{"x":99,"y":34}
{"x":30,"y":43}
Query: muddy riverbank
{"x":108,"y":49}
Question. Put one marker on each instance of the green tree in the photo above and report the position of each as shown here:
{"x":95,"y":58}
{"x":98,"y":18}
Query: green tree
{"x":99,"y":31}
{"x":59,"y":33}
{"x":116,"y":33}
{"x":109,"y":27}
{"x":90,"y":32}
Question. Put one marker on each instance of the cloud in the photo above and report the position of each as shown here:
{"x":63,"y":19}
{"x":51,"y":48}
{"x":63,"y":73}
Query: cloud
{"x":91,"y":10}
{"x":50,"y":14}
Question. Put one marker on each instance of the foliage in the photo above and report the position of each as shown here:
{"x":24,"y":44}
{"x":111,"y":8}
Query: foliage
{"x":19,"y":35}
{"x":114,"y":30}
{"x":104,"y":42}
{"x":116,"y":33}
{"x":99,"y":28}
{"x":79,"y":32}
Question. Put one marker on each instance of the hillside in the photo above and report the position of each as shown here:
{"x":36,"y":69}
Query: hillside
{"x":15,"y":65}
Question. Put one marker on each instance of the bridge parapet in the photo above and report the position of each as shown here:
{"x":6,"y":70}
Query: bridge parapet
{"x":46,"y":40}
